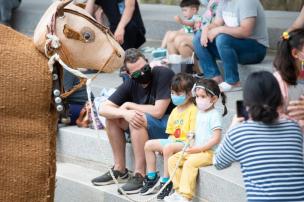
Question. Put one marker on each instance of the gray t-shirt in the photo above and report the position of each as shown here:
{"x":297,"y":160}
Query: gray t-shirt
{"x":233,"y":12}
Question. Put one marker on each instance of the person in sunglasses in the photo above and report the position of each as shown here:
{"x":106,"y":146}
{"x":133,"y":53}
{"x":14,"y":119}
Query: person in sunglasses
{"x":141,"y":106}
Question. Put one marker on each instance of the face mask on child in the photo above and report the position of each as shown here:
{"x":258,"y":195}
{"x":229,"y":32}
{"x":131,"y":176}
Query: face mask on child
{"x":203,"y":103}
{"x":204,"y":2}
{"x":178,"y":99}
{"x":301,"y":75}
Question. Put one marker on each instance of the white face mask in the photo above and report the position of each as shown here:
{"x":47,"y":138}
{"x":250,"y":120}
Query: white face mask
{"x":203,"y":103}
{"x":204,"y":2}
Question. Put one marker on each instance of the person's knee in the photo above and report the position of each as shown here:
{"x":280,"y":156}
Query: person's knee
{"x":170,"y":36}
{"x":222,"y":40}
{"x":149,"y":145}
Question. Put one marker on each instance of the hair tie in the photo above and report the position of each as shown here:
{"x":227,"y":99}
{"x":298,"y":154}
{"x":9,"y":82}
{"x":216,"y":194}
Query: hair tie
{"x":285,"y":36}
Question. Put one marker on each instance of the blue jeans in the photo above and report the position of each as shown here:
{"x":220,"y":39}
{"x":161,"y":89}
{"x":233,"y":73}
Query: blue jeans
{"x":231,"y":51}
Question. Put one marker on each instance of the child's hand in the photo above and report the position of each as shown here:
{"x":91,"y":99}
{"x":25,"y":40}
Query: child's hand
{"x":178,"y":19}
{"x":193,"y":150}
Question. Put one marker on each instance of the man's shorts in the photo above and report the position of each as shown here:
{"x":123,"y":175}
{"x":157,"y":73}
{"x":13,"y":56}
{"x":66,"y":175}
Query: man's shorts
{"x":157,"y":127}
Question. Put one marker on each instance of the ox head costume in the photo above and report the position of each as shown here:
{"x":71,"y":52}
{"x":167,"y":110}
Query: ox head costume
{"x":68,"y":37}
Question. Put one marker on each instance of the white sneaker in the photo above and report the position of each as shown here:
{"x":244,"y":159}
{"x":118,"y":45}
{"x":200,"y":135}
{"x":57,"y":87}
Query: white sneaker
{"x":173,"y":197}
{"x":226,"y":87}
{"x":183,"y":199}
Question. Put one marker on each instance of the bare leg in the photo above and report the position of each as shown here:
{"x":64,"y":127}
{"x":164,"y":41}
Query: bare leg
{"x":183,"y":43}
{"x":115,"y":130}
{"x":170,"y":42}
{"x":165,"y":40}
{"x":139,"y":136}
{"x":150,"y":148}
{"x":168,"y":151}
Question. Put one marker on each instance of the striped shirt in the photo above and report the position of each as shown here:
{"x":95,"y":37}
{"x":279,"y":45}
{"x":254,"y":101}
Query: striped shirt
{"x":271,"y":158}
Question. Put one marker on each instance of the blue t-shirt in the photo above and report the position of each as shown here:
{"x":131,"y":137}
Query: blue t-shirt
{"x":271,"y":158}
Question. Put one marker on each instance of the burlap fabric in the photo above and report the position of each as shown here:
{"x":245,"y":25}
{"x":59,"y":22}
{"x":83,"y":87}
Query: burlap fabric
{"x":27,"y":121}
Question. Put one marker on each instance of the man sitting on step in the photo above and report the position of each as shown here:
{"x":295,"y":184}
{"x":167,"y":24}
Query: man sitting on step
{"x":140,"y":106}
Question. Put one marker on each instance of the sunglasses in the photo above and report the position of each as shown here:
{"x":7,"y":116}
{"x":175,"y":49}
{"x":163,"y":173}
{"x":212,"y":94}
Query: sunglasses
{"x":144,"y":69}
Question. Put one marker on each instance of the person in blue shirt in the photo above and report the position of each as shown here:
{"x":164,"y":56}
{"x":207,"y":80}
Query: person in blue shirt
{"x":269,"y":148}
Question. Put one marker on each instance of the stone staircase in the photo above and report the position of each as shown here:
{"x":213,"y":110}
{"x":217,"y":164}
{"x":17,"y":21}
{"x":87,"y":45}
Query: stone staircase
{"x":83,"y":154}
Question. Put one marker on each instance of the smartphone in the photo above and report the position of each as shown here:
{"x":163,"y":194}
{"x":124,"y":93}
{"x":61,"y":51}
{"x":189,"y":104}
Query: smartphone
{"x":241,"y":109}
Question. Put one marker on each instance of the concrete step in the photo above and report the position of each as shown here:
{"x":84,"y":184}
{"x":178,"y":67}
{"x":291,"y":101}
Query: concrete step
{"x":73,"y":184}
{"x":27,"y":16}
{"x":74,"y":176}
{"x":157,"y":18}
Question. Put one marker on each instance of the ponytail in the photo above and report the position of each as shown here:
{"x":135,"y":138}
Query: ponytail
{"x":224,"y":102}
{"x":284,"y":62}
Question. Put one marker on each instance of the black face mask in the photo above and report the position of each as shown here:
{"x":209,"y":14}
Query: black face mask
{"x":143,"y":76}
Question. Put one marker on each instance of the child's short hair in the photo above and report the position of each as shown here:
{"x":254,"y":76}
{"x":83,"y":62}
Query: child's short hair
{"x":182,"y":82}
{"x":190,"y":3}
{"x":262,"y":95}
{"x":212,"y":89}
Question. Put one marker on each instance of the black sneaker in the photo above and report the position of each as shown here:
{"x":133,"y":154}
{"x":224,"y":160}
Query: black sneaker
{"x":107,"y":179}
{"x":165,"y":192}
{"x":133,"y":185}
{"x":149,"y":185}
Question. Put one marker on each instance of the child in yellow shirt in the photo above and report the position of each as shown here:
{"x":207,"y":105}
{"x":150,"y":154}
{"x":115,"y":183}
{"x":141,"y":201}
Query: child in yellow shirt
{"x":180,"y":122}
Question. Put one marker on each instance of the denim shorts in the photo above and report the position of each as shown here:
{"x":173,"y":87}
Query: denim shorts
{"x":157,"y":127}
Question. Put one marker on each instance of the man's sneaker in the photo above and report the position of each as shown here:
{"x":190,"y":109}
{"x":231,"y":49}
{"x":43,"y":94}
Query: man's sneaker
{"x":133,"y":185}
{"x":107,"y":179}
{"x":165,"y":192}
{"x":149,"y":185}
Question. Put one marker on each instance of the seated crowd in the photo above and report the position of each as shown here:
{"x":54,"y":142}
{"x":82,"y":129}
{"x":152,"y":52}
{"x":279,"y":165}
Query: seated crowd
{"x":175,"y":114}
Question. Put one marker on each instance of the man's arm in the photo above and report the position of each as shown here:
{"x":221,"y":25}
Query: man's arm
{"x":125,"y":19}
{"x":204,"y":36}
{"x":243,"y":31}
{"x":157,"y":110}
{"x":299,"y":22}
{"x":110,"y":110}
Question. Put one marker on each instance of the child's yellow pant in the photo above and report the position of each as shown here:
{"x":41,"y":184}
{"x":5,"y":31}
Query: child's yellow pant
{"x":184,"y":180}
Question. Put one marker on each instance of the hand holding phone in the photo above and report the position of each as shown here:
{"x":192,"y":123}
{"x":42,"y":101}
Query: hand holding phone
{"x":241,"y":110}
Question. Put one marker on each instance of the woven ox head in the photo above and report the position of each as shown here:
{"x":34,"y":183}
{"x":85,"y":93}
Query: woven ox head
{"x":81,"y":41}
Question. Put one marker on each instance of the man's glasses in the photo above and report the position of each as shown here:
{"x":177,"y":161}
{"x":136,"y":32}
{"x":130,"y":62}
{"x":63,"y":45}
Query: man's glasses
{"x":137,"y":73}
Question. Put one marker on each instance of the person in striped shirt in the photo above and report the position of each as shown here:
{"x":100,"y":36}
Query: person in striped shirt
{"x":268,"y":148}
